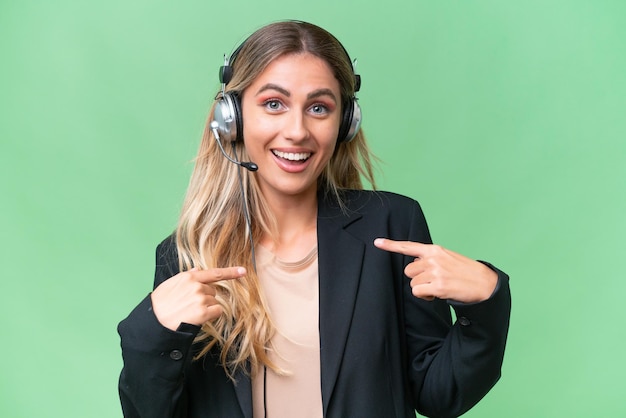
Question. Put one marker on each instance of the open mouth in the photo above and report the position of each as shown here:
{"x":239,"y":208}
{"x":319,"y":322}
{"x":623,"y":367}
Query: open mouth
{"x":294,"y":157}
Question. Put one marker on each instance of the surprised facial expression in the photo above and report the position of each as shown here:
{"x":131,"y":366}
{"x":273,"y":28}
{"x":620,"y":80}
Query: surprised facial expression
{"x":291,"y":114}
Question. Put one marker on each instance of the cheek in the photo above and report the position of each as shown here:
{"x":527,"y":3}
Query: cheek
{"x":327,"y":132}
{"x":329,"y":136}
{"x":327,"y":150}
{"x":253,"y":121}
{"x":257,"y":130}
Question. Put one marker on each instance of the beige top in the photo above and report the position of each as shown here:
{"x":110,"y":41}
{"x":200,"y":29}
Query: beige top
{"x":292,"y":293}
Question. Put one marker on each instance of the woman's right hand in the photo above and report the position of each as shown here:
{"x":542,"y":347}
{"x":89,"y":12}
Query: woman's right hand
{"x":190,"y":296}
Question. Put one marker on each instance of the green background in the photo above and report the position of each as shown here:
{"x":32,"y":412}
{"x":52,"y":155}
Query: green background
{"x":506,"y":120}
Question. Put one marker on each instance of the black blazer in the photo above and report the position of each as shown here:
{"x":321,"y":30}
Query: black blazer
{"x":384,"y":352}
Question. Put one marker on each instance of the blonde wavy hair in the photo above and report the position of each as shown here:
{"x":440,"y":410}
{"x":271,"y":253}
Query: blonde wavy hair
{"x":212,"y":230}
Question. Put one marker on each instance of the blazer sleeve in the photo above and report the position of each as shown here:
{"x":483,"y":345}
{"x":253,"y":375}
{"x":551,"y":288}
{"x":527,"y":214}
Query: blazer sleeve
{"x":453,"y":366}
{"x":155,"y":358}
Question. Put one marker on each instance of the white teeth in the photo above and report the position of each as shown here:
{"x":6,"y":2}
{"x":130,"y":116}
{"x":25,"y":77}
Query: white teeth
{"x":292,"y":156}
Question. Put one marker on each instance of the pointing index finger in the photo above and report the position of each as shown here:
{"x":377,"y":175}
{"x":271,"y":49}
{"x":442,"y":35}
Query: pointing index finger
{"x":218,"y":274}
{"x":410,"y":248}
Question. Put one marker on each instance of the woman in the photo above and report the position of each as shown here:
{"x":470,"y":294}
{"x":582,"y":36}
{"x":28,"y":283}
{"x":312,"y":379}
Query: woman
{"x":287,"y":290}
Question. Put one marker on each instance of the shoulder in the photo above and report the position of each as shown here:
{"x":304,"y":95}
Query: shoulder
{"x":166,"y":250}
{"x":359,"y":207}
{"x":371,"y":200}
{"x":166,"y":260}
{"x":379,"y":213}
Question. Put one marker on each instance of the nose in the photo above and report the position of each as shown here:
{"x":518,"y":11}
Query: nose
{"x":295,"y":127}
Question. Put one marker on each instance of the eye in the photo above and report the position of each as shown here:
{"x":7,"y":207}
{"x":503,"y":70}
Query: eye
{"x":273,"y":105}
{"x":319,"y":109}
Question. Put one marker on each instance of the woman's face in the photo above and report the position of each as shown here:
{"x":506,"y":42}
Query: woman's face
{"x":291,"y":114}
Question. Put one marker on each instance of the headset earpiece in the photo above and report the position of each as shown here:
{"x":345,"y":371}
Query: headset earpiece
{"x":351,"y":121}
{"x":227,"y":114}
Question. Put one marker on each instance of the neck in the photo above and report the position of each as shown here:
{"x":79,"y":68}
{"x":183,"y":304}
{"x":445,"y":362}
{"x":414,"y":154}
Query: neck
{"x":297,"y":227}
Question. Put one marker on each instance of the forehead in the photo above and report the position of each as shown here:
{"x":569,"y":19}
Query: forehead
{"x":298,"y":71}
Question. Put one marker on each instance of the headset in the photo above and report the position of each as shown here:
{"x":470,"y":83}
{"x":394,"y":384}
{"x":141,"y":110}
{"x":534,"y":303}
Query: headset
{"x":227,"y":124}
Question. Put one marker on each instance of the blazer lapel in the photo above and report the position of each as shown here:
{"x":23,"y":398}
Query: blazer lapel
{"x":340,"y":259}
{"x":243,"y":389}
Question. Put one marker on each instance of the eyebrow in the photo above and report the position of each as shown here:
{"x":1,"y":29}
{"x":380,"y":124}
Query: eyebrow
{"x":322,"y":92}
{"x":311,"y":95}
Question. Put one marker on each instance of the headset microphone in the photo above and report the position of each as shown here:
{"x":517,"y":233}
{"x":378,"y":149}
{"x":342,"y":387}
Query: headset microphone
{"x":248,"y":165}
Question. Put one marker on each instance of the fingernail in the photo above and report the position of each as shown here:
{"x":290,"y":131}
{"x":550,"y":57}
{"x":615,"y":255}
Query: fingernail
{"x":378,"y":241}
{"x":241,"y":270}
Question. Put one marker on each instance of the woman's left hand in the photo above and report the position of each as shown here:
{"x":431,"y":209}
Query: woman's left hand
{"x":440,"y":273}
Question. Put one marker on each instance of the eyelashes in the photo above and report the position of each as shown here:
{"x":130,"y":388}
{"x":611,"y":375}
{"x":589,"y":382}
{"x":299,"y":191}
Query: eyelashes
{"x":277,"y":106}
